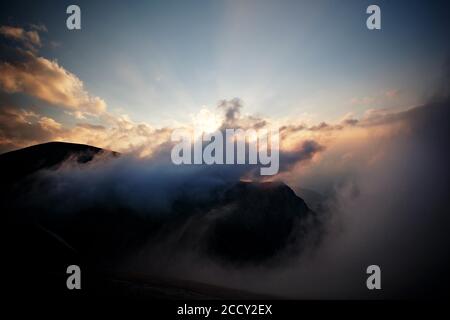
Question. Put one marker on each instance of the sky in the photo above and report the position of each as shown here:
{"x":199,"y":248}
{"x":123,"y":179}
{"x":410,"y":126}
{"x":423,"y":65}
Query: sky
{"x":161,"y":62}
{"x":362,"y":114}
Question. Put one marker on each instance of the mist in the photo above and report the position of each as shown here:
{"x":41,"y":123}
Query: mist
{"x":388,"y":205}
{"x":384,"y":201}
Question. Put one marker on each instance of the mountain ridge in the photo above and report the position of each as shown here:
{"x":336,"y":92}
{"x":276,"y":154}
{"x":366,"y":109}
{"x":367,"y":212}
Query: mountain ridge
{"x":241,"y":223}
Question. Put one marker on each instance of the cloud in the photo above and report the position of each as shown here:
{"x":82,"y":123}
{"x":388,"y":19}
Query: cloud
{"x":392,"y":93}
{"x":386,"y":204}
{"x":39,"y":27}
{"x":24,"y":71}
{"x":376,"y":99}
{"x":47,"y":80}
{"x":49,"y":124}
{"x":303,"y":152}
{"x":29,"y":39}
{"x":232,"y":109}
{"x":20,"y":128}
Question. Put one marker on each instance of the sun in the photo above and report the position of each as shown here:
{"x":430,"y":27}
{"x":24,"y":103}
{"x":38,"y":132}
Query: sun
{"x":206,"y":121}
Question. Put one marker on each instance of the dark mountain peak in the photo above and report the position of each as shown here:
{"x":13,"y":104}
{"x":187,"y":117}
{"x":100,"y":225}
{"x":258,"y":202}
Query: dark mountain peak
{"x":18,"y":164}
{"x":266,"y":185}
{"x":251,"y":189}
{"x":267,"y":198}
{"x":257,"y":220}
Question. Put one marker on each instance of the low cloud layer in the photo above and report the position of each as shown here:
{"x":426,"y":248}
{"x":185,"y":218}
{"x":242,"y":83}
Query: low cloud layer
{"x":383,"y":202}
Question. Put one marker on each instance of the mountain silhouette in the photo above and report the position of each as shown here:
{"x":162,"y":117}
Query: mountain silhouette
{"x":239,"y":223}
{"x":15,"y":165}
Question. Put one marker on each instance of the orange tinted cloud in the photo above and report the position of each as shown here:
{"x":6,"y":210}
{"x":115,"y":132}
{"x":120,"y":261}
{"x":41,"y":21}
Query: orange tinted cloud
{"x":47,"y":80}
{"x":30,"y":39}
{"x":21,"y":128}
